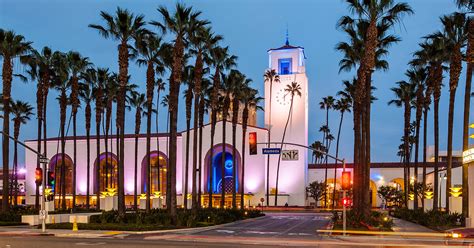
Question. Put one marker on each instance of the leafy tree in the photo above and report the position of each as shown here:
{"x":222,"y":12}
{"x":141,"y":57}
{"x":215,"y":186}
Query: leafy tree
{"x":316,"y":190}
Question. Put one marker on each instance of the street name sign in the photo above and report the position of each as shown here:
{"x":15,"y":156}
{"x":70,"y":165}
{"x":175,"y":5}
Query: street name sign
{"x":271,"y":150}
{"x":290,"y":155}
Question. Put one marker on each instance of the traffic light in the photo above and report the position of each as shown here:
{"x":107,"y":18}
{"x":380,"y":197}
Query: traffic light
{"x":39,"y":176}
{"x":346,"y":180}
{"x":253,"y":143}
{"x":346,"y":202}
{"x":51,"y":179}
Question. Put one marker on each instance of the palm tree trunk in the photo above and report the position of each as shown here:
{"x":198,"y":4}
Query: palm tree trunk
{"x":244,"y":134}
{"x":211,"y":158}
{"x":88,"y":168}
{"x":158,"y":141}
{"x":224,"y":119}
{"x":326,"y":161}
{"x":15,"y":173}
{"x":45,"y":106}
{"x":97,"y":161}
{"x":201,"y":123}
{"x":148,"y":164}
{"x":74,"y":163}
{"x":235,"y":110}
{"x":195,"y":143}
{"x":335,"y":161}
{"x":452,"y":96}
{"x":7,"y":73}
{"x":425,"y":133}
{"x":186,"y":167}
{"x":281,"y":147}
{"x":268,"y":145}
{"x":406,"y":136}
{"x":63,"y":146}
{"x":135,"y":181}
{"x":436,"y":199}
{"x":467,"y":104}
{"x":38,"y":147}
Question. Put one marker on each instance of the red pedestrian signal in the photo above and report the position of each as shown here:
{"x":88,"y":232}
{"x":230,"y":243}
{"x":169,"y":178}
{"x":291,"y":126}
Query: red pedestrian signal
{"x":346,"y":180}
{"x":253,"y":143}
{"x":39,"y":176}
{"x":346,"y":202}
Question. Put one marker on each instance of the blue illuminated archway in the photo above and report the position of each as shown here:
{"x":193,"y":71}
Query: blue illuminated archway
{"x":216,"y":169}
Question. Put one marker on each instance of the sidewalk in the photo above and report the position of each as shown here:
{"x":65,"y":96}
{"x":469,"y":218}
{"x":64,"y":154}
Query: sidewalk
{"x":400,"y":225}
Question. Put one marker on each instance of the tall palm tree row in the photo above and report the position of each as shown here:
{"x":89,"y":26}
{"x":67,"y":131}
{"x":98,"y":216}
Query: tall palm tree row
{"x":138,"y":101}
{"x":370,"y":18}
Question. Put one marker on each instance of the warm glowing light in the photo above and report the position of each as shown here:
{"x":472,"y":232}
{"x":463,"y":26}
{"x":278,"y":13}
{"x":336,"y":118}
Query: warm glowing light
{"x":456,"y":235}
{"x":411,"y":197}
{"x":455,"y":191}
{"x":142,"y":196}
{"x":83,"y":187}
{"x":22,"y":171}
{"x":429,"y":195}
{"x":472,"y":125}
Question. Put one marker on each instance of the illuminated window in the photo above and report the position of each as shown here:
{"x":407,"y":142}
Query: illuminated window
{"x":284,"y":66}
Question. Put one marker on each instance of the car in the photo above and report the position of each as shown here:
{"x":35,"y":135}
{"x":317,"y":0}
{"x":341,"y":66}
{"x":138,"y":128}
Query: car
{"x":463,"y":235}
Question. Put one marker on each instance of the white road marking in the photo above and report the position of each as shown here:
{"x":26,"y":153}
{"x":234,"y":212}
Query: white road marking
{"x":90,"y":243}
{"x":262,"y":233}
{"x":225,"y":231}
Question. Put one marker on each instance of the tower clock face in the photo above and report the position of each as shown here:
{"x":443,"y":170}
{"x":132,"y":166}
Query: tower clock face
{"x":282,"y":98}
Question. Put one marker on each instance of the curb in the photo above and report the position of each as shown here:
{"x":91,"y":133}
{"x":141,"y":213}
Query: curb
{"x":181,"y":231}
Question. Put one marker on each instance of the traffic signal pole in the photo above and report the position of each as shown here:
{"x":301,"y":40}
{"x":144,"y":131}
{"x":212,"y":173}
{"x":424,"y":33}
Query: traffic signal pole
{"x":43,"y":161}
{"x":343,"y":161}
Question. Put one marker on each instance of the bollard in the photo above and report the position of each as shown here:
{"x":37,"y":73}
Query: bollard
{"x":74,"y":225}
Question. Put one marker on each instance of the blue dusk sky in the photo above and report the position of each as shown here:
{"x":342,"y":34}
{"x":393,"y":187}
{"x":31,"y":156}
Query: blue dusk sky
{"x":249,"y":27}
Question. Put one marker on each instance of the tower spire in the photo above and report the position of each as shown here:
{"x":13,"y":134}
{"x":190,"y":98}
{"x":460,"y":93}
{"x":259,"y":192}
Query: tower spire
{"x":287,"y":42}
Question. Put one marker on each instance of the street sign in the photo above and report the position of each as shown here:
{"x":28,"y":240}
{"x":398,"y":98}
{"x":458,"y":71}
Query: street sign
{"x":44,"y":160}
{"x":42,"y":214}
{"x":290,"y":155}
{"x":271,"y":150}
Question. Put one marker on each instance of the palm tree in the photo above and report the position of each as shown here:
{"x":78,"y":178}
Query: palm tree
{"x":221,"y":60}
{"x":149,"y":48}
{"x":123,"y":27}
{"x":342,"y":105}
{"x":202,"y":41}
{"x":291,"y":89}
{"x":237,"y":94}
{"x":62,"y":84}
{"x":86,"y":93}
{"x":203,"y":108}
{"x":466,"y":6}
{"x":250,"y":99}
{"x":417,"y":76}
{"x":404,"y":95}
{"x":432,"y":54}
{"x":98,"y":90}
{"x":270,"y":77}
{"x":22,"y":112}
{"x":139,"y":102}
{"x":76,"y":64}
{"x":12,"y":46}
{"x":180,"y":23}
{"x":188,"y":95}
{"x":454,"y":36}
{"x":376,"y":15}
{"x":160,"y":86}
{"x":327,"y":103}
{"x":39,"y":64}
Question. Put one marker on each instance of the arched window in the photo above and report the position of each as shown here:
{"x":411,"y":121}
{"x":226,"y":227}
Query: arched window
{"x":158,"y":170}
{"x":56,"y":165}
{"x":216,"y":169}
{"x":108,"y":166}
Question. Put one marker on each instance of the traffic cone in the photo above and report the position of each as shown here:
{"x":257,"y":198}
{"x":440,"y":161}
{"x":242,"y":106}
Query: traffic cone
{"x":74,"y":225}
{"x":53,"y":220}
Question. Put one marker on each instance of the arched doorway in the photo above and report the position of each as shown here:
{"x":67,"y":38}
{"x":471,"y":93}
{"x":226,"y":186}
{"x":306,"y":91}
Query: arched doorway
{"x":55,"y":165}
{"x":214,"y":165}
{"x":108,"y":171}
{"x":158,"y":170}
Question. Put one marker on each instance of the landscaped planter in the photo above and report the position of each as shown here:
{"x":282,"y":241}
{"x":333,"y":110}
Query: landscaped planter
{"x":34,"y":220}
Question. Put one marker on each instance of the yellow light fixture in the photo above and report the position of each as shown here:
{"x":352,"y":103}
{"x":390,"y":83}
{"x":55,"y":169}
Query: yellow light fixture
{"x":455,"y":191}
{"x":472,"y":125}
{"x":411,"y":197}
{"x":103,"y":194}
{"x":111,"y":191}
{"x":157,"y":194}
{"x":142,"y":196}
{"x":428,"y":195}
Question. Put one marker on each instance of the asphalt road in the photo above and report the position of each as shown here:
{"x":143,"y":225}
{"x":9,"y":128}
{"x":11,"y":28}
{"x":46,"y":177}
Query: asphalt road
{"x":275,"y":225}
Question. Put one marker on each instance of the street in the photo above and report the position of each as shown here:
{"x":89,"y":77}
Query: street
{"x":287,"y":229}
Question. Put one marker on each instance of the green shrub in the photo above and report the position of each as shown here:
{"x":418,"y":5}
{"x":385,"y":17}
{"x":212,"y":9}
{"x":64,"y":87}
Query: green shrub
{"x":434,"y":219}
{"x":377,"y":220}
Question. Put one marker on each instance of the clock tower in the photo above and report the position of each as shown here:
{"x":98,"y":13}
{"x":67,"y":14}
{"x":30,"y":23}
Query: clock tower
{"x":289,"y":62}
